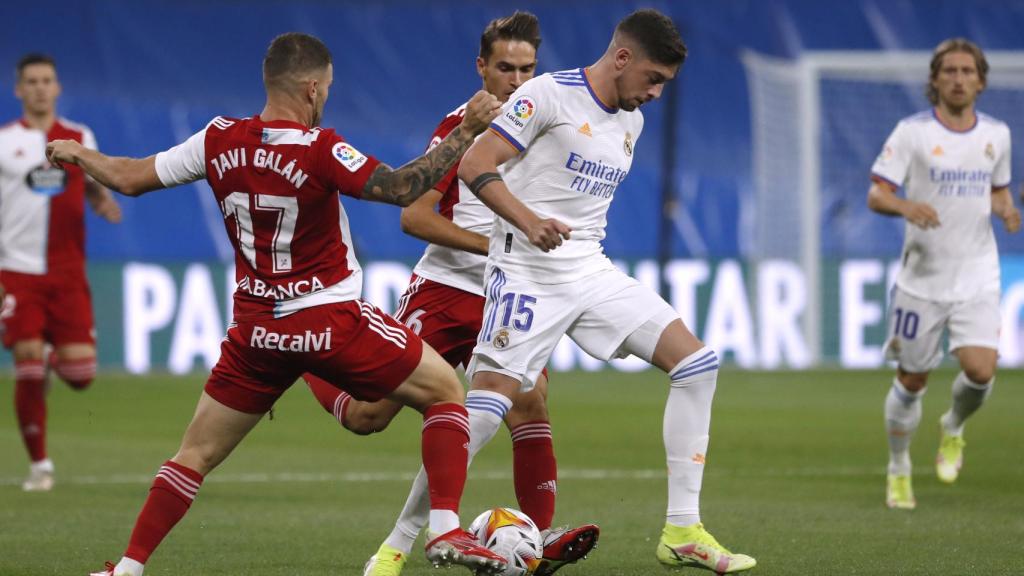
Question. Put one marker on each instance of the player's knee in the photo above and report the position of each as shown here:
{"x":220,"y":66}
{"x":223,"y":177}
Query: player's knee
{"x":528,"y":407}
{"x":913,"y":382}
{"x":364,"y":424}
{"x":979,"y":374}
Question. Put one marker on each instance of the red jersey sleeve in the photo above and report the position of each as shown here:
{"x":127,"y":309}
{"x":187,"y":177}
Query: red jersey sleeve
{"x":344,"y":167}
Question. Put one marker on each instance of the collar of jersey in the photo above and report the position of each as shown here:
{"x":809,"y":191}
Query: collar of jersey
{"x":281,"y":124}
{"x":935,"y":114}
{"x":586,"y":80}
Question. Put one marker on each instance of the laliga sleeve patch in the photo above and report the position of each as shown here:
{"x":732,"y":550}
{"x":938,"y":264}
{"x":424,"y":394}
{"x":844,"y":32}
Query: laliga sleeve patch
{"x":348,"y":156}
{"x":518,"y":115}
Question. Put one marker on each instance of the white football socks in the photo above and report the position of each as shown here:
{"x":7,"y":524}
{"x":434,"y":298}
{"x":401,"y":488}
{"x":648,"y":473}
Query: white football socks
{"x":902,"y":416}
{"x":967,"y":398}
{"x":128,"y":567}
{"x":685,"y":432}
{"x":486,"y":411}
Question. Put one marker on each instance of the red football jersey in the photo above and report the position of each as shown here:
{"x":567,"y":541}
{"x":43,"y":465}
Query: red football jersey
{"x":277,"y":184}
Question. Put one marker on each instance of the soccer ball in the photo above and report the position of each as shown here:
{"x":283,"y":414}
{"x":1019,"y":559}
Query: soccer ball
{"x":511,"y":534}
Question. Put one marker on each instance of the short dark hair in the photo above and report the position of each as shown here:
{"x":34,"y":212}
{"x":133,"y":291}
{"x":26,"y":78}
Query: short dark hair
{"x":954,"y":45}
{"x":519,"y":26}
{"x":293,"y":53}
{"x":33,"y":58}
{"x":655,"y":34}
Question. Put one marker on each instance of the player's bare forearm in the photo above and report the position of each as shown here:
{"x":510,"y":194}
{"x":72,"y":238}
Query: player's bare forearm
{"x":882,"y":198}
{"x":129,"y":176}
{"x":484,"y":157}
{"x":402,"y":186}
{"x":421,"y":221}
{"x":1003,"y":207}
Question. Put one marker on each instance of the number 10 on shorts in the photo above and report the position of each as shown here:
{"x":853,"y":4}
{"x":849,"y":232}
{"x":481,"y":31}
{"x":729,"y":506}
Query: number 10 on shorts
{"x":906,"y":323}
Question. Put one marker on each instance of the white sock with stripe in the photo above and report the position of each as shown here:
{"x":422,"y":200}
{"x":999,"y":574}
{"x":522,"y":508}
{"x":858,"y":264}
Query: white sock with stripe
{"x":902,"y":416}
{"x":685,"y":431}
{"x":968,"y":396}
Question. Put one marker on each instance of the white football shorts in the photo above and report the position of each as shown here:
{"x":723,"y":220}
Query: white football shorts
{"x":523,"y":321}
{"x":916,"y":327}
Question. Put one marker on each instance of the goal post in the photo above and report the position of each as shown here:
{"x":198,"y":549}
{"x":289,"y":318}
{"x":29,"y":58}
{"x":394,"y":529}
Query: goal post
{"x":817,"y":123}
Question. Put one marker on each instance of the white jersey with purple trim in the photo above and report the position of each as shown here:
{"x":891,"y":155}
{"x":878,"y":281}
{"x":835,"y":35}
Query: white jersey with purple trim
{"x":955,"y":173}
{"x":574,"y":151}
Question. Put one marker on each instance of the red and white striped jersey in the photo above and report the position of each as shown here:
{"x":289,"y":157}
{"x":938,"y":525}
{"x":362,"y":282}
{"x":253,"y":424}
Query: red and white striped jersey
{"x":42,"y":207}
{"x":449,"y":266}
{"x":277,"y":184}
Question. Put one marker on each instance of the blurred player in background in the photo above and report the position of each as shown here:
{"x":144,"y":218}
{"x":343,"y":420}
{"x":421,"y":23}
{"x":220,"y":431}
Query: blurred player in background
{"x":43,"y":284}
{"x":297,"y":301}
{"x":953,"y":163}
{"x":444,"y":304}
{"x":565,"y":142}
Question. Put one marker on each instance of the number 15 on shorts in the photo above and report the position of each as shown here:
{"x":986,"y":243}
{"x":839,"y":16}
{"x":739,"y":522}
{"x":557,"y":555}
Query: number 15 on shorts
{"x":515,"y":311}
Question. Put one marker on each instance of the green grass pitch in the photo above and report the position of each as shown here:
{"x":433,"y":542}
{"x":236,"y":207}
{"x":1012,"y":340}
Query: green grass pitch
{"x":795,"y":477}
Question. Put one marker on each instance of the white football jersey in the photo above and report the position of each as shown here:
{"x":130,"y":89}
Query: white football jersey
{"x":449,"y":266}
{"x":574,"y":153}
{"x":955,"y":173}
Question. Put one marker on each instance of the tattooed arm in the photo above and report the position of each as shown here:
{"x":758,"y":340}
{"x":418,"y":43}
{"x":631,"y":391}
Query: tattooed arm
{"x":404,"y":185}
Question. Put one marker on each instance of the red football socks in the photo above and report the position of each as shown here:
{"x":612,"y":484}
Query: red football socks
{"x":446,"y":453}
{"x":534,"y":471}
{"x":30,"y":406}
{"x":170,"y":496}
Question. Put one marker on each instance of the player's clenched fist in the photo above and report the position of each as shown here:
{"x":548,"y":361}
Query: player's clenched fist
{"x":482,"y":108}
{"x":62,"y":151}
{"x":548,"y":234}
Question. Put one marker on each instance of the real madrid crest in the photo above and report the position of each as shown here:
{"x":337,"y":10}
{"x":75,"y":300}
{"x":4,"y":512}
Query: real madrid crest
{"x":990,"y":151}
{"x":627,"y":144}
{"x":501,"y":339}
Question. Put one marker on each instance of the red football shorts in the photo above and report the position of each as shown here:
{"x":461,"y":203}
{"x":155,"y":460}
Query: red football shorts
{"x":353,"y":345}
{"x":54,"y":307}
{"x":447,"y":318}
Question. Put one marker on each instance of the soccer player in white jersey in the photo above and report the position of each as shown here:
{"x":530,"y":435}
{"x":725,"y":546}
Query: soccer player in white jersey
{"x":953,"y":164}
{"x":43,"y":285}
{"x":444,"y":304}
{"x":565,"y":141}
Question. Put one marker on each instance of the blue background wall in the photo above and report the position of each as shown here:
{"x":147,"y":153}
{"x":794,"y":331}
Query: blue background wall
{"x":145,"y":75}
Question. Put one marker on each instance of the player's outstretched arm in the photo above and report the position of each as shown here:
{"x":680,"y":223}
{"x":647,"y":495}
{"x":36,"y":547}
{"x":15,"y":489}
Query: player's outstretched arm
{"x":420,"y":220}
{"x":882,"y":198}
{"x":404,"y":185}
{"x":479,"y":170}
{"x":129,"y":176}
{"x":1003,"y":207}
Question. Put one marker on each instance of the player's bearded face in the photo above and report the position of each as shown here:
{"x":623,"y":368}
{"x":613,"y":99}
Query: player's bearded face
{"x":37,"y":88}
{"x":957,"y":81}
{"x":511,"y":63}
{"x":641,"y":81}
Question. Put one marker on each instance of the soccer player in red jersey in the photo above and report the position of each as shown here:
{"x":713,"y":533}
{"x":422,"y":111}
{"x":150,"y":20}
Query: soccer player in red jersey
{"x":297,"y":301}
{"x":444,"y":304}
{"x":43,"y":285}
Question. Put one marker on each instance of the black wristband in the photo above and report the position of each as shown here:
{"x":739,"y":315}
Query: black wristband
{"x":482,"y":180}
